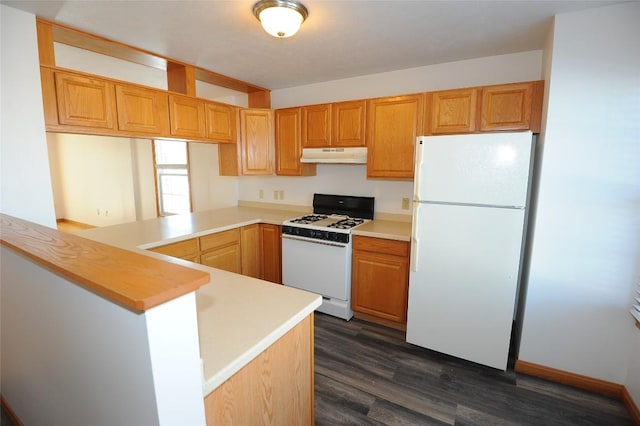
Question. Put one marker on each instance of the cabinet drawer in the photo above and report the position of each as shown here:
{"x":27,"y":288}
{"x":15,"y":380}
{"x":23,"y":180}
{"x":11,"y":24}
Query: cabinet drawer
{"x":381,"y":245}
{"x":187,"y":249}
{"x":220,"y":239}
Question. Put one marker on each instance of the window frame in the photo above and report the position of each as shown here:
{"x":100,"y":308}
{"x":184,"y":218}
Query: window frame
{"x":157,"y":183}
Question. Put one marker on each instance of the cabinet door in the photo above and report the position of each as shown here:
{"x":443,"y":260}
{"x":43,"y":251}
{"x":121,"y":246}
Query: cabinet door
{"x":288,"y":145}
{"x":380,"y":278}
{"x":506,"y":107}
{"x":256,"y":142}
{"x":186,"y":116}
{"x":392,"y":128}
{"x":221,"y":123}
{"x":452,"y":111}
{"x":316,"y":126}
{"x":142,"y":110}
{"x":250,"y":248}
{"x":226,"y":258}
{"x":84,"y":101}
{"x":271,"y":252}
{"x":348,"y":123}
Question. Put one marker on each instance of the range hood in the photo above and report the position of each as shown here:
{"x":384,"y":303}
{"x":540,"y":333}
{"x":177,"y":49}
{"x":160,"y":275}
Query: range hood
{"x":334,"y":155}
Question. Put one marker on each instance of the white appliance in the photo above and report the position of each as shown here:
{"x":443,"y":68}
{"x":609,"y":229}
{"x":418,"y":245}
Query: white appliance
{"x":469,"y":219}
{"x":316,"y":250}
{"x":357,"y":155}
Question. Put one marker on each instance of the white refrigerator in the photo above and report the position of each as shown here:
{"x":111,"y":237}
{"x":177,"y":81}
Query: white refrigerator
{"x":469,"y":219}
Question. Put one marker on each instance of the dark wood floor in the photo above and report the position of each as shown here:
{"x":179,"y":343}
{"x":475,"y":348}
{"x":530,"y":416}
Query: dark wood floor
{"x":367,"y":374}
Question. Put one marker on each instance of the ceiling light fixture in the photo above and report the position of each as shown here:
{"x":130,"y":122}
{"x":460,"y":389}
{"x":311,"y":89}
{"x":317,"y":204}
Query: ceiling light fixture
{"x":280,"y":18}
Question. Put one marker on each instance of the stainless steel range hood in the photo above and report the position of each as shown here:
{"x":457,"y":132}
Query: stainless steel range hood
{"x":334,"y":155}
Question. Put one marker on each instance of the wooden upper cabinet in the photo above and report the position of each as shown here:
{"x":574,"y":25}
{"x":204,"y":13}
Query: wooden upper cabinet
{"x":186,"y":115}
{"x":254,"y":155}
{"x":221,"y":122}
{"x":316,"y":126}
{"x":515,"y":106}
{"x":142,"y":110}
{"x":84,"y":101}
{"x":256,"y":142}
{"x":348,"y":123}
{"x":392,"y":127}
{"x":451,"y":111}
{"x":288,"y":144}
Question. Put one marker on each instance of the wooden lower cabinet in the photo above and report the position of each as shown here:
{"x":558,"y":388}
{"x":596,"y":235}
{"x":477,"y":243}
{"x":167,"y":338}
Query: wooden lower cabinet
{"x":222,"y":250}
{"x":380,"y":280}
{"x":187,"y":250}
{"x":276,"y":388}
{"x":271,"y":240}
{"x":250,"y":249}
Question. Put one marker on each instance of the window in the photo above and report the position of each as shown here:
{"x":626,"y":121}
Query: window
{"x":172,"y":172}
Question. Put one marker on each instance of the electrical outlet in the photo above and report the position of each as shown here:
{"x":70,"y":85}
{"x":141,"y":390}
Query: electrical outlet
{"x":281,"y":192}
{"x":275,"y":195}
{"x":405,"y":203}
{"x":261,"y":194}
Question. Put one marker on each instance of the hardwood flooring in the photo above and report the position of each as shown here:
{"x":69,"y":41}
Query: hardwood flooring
{"x":366,"y":374}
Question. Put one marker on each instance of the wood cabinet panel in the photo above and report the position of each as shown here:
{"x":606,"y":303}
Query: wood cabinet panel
{"x":348,"y":123}
{"x":226,"y":258}
{"x":221,"y":123}
{"x":380,"y":278}
{"x":271,"y":241}
{"x":452,"y":111}
{"x":219,"y":239}
{"x":251,"y":248}
{"x":142,"y":110}
{"x":188,"y":249}
{"x":84,"y":101}
{"x":392,"y":127}
{"x":316,"y":126}
{"x":506,"y":107}
{"x":186,"y":116}
{"x":256,"y":142}
{"x":288,"y":144}
{"x":49,"y":99}
{"x":275,"y":388}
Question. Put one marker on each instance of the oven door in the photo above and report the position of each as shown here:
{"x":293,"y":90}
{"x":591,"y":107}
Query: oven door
{"x":321,"y":267}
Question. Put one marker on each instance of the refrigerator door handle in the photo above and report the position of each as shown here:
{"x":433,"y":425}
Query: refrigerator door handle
{"x":413,"y":261}
{"x":417,"y":172}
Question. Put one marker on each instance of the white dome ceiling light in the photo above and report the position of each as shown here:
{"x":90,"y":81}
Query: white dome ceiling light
{"x":280,"y":18}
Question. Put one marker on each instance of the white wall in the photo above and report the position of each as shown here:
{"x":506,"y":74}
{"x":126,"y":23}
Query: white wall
{"x":586,"y":251}
{"x":350,"y":179}
{"x":93,"y":178}
{"x":25,"y":185}
{"x":209,"y":190}
{"x":78,"y":359}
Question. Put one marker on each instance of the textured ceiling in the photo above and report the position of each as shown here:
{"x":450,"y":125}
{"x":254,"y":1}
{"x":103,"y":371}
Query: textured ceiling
{"x":339,"y":39}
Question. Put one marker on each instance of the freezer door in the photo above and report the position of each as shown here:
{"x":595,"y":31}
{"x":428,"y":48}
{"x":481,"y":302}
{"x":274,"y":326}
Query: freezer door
{"x":487,"y":169}
{"x":463,"y":284}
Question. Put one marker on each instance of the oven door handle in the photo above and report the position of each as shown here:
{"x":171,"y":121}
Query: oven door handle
{"x":312,"y":241}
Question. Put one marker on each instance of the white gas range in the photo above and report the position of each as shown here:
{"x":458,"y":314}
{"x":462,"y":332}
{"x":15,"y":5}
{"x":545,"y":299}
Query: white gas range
{"x":316,"y":250}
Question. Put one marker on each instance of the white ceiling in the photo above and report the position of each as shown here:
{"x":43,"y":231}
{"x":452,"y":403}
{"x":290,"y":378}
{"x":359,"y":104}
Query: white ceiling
{"x":339,"y":39}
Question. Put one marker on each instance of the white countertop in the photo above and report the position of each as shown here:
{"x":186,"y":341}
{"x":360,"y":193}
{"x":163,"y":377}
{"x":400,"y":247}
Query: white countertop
{"x":238,"y":316}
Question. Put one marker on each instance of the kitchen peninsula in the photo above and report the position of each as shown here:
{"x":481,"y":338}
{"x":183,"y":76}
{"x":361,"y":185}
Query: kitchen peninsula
{"x":255,"y":338}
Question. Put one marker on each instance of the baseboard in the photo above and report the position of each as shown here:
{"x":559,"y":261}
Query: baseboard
{"x":631,"y":406}
{"x":583,"y":382}
{"x":576,"y":380}
{"x":74,"y":224}
{"x":10,"y":413}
